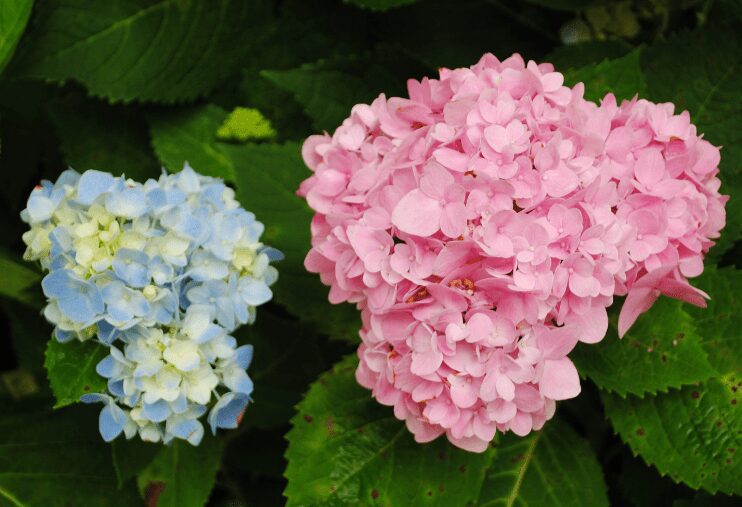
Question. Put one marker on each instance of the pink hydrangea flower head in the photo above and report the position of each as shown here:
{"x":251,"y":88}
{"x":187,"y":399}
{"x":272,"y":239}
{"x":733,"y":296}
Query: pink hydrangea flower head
{"x":484,"y":224}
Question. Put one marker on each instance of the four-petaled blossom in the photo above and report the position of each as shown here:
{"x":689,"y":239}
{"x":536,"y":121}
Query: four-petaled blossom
{"x":161,"y":274}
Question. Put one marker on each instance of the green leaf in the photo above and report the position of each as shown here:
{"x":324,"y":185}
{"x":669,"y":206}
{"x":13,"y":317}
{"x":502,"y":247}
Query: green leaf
{"x":131,"y":457}
{"x":19,"y":282}
{"x":267,"y":177}
{"x":329,"y":89}
{"x":379,"y":5}
{"x":623,"y":77}
{"x":167,"y":50}
{"x":71,"y":369}
{"x":574,"y":56}
{"x":94,"y":135}
{"x":720,"y":324}
{"x":661,"y":350}
{"x":244,"y":124}
{"x":440,"y":35}
{"x":706,"y":84}
{"x":13,"y":18}
{"x":181,"y":475}
{"x":56,"y":459}
{"x":347,"y":449}
{"x":554,"y":467}
{"x":287,"y":358}
{"x":190,"y":136}
{"x":691,"y":434}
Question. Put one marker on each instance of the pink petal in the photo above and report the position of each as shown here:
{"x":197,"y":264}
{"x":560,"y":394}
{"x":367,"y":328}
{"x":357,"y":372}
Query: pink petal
{"x":637,"y":301}
{"x":650,"y":167}
{"x":463,"y":391}
{"x":559,"y":379}
{"x":453,"y":219}
{"x":452,"y":159}
{"x":501,"y":411}
{"x":418,"y":214}
{"x":593,"y":324}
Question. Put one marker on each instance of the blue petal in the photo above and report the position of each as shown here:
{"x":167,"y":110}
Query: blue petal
{"x":96,"y":398}
{"x":188,"y":429}
{"x":116,"y":387}
{"x":63,"y":336}
{"x":93,"y":183}
{"x":243,"y":356}
{"x":227,"y":410}
{"x":111,"y":421}
{"x":255,"y":292}
{"x":57,"y":283}
{"x":272,"y":253}
{"x":157,"y":411}
{"x":106,"y":367}
{"x":106,"y":332}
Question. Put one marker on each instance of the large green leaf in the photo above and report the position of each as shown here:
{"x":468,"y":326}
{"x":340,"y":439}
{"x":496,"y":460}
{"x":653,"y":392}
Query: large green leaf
{"x":441,"y":34}
{"x":166,"y":50}
{"x":94,"y":135}
{"x":131,"y":457}
{"x":267,"y":177}
{"x":71,"y":369}
{"x":56,"y":459}
{"x":575,"y":56}
{"x":692,"y":434}
{"x":18,"y":280}
{"x":662,"y":349}
{"x":181,"y":475}
{"x":347,"y":449}
{"x":329,"y":89}
{"x":698,"y":71}
{"x":622,"y":76}
{"x":554,"y":467}
{"x":720,"y":324}
{"x":13,"y":18}
{"x":190,"y":136}
{"x":287,"y":358}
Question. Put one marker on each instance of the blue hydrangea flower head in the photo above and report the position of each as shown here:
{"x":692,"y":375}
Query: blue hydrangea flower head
{"x":160,"y":273}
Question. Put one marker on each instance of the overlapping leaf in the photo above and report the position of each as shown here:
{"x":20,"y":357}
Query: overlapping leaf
{"x":181,"y":475}
{"x":167,"y":50}
{"x":19,"y":282}
{"x":523,"y":470}
{"x":346,"y":448}
{"x":56,"y":459}
{"x":691,"y":434}
{"x":94,"y":135}
{"x":663,"y":349}
{"x":622,"y":76}
{"x":71,"y":369}
{"x":13,"y":18}
{"x":327,"y":90}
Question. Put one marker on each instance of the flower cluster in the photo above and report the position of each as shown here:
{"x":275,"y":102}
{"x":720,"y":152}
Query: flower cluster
{"x":161,"y":273}
{"x":484,"y":224}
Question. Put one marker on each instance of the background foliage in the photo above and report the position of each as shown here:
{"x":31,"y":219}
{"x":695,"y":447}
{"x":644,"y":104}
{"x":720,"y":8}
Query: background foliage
{"x":233,"y":86}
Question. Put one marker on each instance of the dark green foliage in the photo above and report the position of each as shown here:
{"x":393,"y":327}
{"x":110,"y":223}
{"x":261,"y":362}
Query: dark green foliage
{"x":135,"y":86}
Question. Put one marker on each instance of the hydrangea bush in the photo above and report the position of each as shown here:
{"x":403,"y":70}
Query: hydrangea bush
{"x":161,"y":273}
{"x":508,"y":279}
